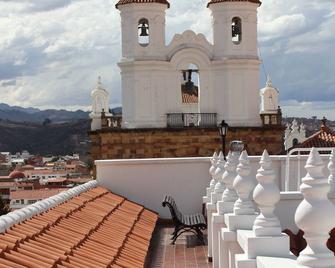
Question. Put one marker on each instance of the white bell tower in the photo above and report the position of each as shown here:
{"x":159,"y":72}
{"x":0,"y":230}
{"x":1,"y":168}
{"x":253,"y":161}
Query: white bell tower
{"x":236,"y":60}
{"x":143,"y":28}
{"x":100,"y":103}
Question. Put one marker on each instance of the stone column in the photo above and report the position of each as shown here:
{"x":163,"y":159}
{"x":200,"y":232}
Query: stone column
{"x":315,"y":215}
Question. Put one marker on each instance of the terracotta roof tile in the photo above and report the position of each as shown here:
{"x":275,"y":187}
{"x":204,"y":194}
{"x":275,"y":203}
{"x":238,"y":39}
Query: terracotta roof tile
{"x":220,"y":1}
{"x":35,"y":194}
{"x":323,"y":138}
{"x":189,"y":98}
{"x":124,"y":2}
{"x":95,"y":229}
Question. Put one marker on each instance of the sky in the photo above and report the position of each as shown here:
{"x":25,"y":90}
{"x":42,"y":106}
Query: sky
{"x":52,"y":51}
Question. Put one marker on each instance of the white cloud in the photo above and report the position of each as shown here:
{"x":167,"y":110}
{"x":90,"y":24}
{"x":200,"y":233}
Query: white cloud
{"x":53,"y":50}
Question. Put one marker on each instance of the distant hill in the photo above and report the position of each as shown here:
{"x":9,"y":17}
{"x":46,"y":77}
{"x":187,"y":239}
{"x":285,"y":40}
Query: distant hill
{"x":57,"y":139}
{"x":33,"y":115}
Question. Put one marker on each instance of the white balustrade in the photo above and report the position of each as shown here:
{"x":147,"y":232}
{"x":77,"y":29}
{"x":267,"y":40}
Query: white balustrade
{"x":316,"y":215}
{"x":229,"y":195}
{"x":219,"y":186}
{"x":210,"y":189}
{"x":331,"y":167}
{"x":244,"y":184}
{"x":266,"y":195}
{"x":215,"y":196}
{"x":243,"y":215}
{"x":265,"y":239}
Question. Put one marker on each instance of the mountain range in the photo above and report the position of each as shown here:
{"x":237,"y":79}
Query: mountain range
{"x":45,"y":131}
{"x":34,"y":115}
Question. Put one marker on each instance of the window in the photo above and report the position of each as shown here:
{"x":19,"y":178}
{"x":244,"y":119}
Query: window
{"x":236,"y":30}
{"x":143,"y":32}
{"x":295,"y":142}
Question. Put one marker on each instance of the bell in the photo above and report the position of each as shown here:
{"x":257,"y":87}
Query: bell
{"x":189,"y":85}
{"x":236,"y":30}
{"x":144,"y":29}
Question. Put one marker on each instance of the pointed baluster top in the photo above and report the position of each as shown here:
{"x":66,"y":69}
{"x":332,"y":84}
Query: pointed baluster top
{"x":315,"y":215}
{"x":331,"y":167}
{"x":266,"y":195}
{"x":244,"y":184}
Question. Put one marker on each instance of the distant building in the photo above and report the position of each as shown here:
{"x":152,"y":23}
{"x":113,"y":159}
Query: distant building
{"x":294,"y":134}
{"x":22,"y":198}
{"x":324,"y":138}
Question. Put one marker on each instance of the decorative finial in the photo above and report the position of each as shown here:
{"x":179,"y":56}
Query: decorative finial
{"x":268,"y":81}
{"x":243,"y":184}
{"x":266,"y":195}
{"x":315,"y":215}
{"x":331,"y":167}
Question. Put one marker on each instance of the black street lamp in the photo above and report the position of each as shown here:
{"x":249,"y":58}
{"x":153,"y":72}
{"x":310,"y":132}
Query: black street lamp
{"x":223,"y":130}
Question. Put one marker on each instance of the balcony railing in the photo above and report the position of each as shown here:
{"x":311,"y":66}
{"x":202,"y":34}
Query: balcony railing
{"x":201,"y":120}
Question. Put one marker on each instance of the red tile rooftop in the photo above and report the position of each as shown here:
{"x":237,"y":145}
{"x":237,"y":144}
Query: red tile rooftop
{"x":323,"y":138}
{"x":94,"y":229}
{"x":35,"y":194}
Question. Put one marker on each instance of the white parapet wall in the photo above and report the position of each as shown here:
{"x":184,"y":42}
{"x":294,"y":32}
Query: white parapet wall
{"x":147,"y":181}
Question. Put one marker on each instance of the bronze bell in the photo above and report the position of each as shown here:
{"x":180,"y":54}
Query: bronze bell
{"x":189,"y":85}
{"x":236,"y":30}
{"x":144,"y":29}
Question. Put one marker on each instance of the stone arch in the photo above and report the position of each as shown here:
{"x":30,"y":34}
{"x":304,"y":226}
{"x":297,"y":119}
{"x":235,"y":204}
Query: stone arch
{"x":182,"y":58}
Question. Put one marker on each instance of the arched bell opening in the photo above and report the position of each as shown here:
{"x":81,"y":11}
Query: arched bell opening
{"x":143,"y":32}
{"x":236,"y":30}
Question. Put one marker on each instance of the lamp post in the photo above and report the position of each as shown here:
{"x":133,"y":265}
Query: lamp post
{"x":223,"y":129}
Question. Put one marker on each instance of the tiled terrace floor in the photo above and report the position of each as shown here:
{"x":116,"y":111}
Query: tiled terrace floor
{"x":186,"y":253}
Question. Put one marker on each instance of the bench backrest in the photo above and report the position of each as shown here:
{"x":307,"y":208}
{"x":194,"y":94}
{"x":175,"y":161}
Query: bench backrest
{"x":175,"y":213}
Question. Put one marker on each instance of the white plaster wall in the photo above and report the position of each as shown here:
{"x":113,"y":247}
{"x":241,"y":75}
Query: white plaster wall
{"x":147,"y":181}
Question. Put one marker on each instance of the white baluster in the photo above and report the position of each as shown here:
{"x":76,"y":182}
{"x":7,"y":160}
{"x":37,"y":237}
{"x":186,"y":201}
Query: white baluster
{"x":219,"y":186}
{"x":229,"y":195}
{"x":331,"y":167}
{"x":315,"y":216}
{"x":266,"y":195}
{"x":212,"y":169}
{"x":244,"y":184}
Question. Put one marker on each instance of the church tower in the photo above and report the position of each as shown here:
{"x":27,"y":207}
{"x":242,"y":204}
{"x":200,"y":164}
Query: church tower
{"x":143,"y":28}
{"x":236,"y":59}
{"x":174,"y":95}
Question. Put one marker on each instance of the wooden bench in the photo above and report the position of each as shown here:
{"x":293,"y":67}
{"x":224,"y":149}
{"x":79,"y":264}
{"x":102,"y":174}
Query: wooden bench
{"x":194,"y":223}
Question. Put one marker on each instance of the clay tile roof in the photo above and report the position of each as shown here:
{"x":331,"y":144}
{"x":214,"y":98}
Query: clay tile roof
{"x":124,"y":2}
{"x":189,"y":98}
{"x":35,"y":194}
{"x":94,"y":229}
{"x":17,"y":175}
{"x":322,"y":138}
{"x":220,"y":1}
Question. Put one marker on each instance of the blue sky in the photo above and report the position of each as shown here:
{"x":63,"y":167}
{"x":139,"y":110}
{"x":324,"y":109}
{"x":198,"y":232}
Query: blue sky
{"x":52,"y":51}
